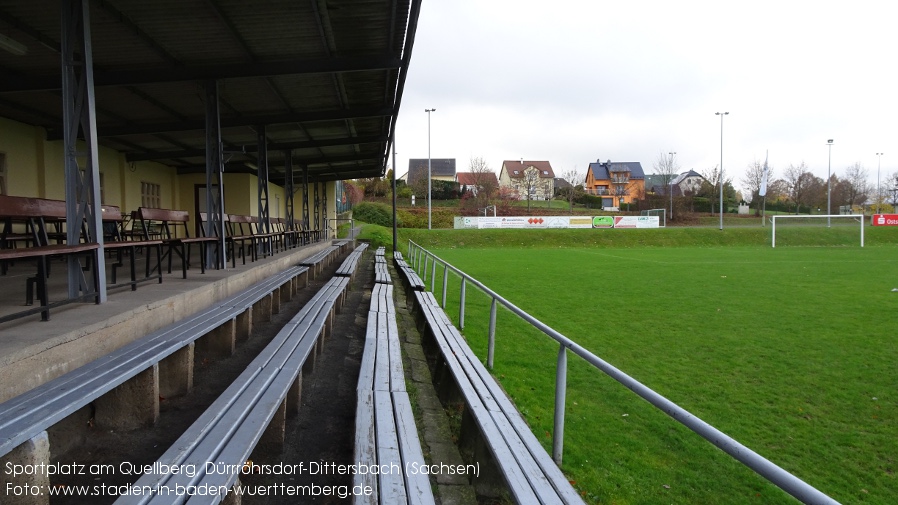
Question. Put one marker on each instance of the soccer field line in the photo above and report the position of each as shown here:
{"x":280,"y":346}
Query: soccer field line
{"x":731,"y":261}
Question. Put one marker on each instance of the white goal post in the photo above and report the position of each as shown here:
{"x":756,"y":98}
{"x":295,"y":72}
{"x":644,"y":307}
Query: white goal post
{"x":661,"y":213}
{"x":829,"y":218}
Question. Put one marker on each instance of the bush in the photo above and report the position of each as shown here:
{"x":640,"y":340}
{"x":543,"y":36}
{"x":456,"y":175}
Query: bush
{"x":374,"y":213}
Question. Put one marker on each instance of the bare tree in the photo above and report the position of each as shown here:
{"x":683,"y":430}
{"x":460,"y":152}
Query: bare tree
{"x":710,"y":186}
{"x":485,"y":182}
{"x":751,"y":182}
{"x":575,"y":179}
{"x":528,"y":183}
{"x":856,"y":176}
{"x":804,"y":187}
{"x":667,"y":168}
{"x":891,"y":188}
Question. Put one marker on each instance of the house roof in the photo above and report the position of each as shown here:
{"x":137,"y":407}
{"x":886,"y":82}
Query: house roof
{"x":324,"y":78}
{"x":561,"y":182}
{"x":471,"y":178}
{"x":601,"y":169}
{"x":439,"y":167}
{"x":685,"y":175}
{"x":544,"y":167}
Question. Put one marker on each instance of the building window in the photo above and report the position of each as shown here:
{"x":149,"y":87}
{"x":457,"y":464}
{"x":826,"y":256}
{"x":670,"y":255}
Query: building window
{"x":2,"y":173}
{"x":150,"y":195}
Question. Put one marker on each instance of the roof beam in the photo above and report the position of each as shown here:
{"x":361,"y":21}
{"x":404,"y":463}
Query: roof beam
{"x":207,"y":72}
{"x":233,"y":122}
{"x":282,"y":146}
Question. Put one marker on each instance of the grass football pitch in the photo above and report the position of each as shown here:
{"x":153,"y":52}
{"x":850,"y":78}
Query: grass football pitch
{"x":791,"y":351}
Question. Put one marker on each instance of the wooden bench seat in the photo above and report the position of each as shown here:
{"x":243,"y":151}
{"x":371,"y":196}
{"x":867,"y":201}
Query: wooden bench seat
{"x":175,"y":235}
{"x":27,"y":415}
{"x":321,"y":259}
{"x":413,"y":280}
{"x":528,"y":472}
{"x":381,"y":270}
{"x":251,"y":409}
{"x":348,"y":267}
{"x":115,"y":242}
{"x":385,"y":432}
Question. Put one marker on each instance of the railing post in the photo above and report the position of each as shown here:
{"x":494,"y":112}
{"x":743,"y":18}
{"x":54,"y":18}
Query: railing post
{"x":445,"y":281}
{"x":424,"y":270}
{"x":560,"y":394}
{"x":461,"y":305}
{"x":491,"y":345}
{"x":433,"y":275}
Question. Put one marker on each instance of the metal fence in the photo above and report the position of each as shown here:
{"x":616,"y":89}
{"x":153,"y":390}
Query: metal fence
{"x":421,"y":259}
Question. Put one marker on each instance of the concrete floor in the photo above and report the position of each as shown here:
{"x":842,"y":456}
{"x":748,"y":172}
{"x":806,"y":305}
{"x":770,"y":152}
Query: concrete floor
{"x":34,"y":351}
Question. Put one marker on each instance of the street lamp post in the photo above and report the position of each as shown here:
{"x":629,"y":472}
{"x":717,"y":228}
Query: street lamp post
{"x":670,"y":182}
{"x":428,"y":111}
{"x":878,"y":192}
{"x":721,"y":114}
{"x":829,"y":183}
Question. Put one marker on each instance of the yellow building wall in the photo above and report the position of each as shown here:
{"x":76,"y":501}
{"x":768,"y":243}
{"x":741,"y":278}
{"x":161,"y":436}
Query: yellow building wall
{"x":35,"y":167}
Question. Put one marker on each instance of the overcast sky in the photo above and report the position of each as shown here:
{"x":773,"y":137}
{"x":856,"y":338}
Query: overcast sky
{"x":573,"y":81}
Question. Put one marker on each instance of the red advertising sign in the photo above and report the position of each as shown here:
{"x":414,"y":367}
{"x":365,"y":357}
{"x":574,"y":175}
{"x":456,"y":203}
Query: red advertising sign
{"x":885,"y":219}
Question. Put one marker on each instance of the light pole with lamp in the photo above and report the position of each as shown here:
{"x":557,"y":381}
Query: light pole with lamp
{"x":428,"y":111}
{"x":829,"y":183}
{"x":878,"y":193}
{"x":670,"y":183}
{"x":721,"y":114}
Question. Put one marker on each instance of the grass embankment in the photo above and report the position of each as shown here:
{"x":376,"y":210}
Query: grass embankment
{"x":666,"y":237}
{"x":788,"y":350}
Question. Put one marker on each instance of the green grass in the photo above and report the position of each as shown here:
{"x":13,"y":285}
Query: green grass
{"x":789,"y":350}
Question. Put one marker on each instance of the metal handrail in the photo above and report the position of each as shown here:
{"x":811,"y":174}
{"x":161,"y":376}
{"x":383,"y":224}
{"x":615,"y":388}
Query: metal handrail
{"x":784,"y":480}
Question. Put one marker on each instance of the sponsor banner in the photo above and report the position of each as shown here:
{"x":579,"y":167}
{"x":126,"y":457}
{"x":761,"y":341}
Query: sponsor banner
{"x":558,"y":222}
{"x":543,"y":222}
{"x":885,"y":219}
{"x":636,"y":222}
{"x":603,"y":222}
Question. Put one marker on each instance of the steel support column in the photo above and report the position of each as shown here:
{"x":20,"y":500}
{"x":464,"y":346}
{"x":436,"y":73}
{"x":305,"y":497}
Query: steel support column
{"x":316,"y":208}
{"x":82,"y":185}
{"x":264,"y":220}
{"x":305,"y":199}
{"x":324,"y":206}
{"x":214,"y":225}
{"x":288,"y":192}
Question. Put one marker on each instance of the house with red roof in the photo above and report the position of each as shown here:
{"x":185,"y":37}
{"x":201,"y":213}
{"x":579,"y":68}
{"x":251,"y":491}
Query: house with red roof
{"x":474,"y":182}
{"x":534,"y":177}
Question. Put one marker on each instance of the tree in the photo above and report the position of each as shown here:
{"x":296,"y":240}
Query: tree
{"x":575,"y":179}
{"x":856,"y":177}
{"x":485,"y":184}
{"x":751,"y":182}
{"x":804,"y":187}
{"x":891,"y":186}
{"x":709,"y":187}
{"x":667,"y":168}
{"x":529,"y":182}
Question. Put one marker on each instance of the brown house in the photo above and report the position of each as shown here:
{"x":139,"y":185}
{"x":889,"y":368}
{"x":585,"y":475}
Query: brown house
{"x":534,"y":177}
{"x":616,"y":183}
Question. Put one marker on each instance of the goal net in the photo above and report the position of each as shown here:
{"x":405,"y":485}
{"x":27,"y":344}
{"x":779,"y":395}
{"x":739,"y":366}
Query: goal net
{"x":825,"y":230}
{"x":661,"y":213}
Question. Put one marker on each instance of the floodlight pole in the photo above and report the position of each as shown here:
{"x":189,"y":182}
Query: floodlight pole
{"x":670,"y":182}
{"x":428,"y":111}
{"x":829,"y":183}
{"x":878,"y":193}
{"x":721,"y":114}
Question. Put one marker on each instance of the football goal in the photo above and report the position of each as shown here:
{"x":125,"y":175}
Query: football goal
{"x":823,"y":230}
{"x":661,"y":213}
